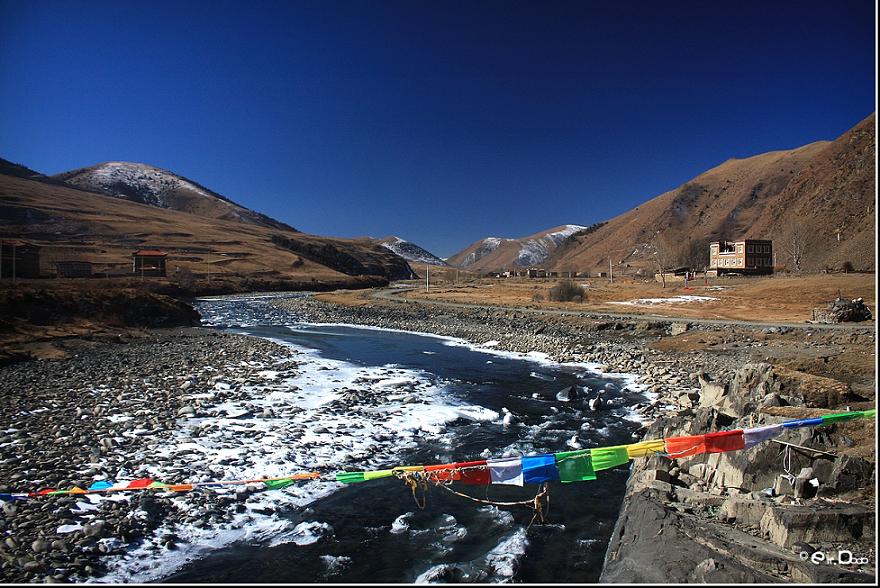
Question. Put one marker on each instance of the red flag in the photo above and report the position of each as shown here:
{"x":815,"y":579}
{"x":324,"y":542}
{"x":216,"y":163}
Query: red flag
{"x":142,"y":483}
{"x":474,"y":472}
{"x":725,"y":441}
{"x":677,"y":447}
{"x":443,"y":473}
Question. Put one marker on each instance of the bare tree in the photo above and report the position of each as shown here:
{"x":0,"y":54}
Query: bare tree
{"x":798,"y":243}
{"x":666,"y":251}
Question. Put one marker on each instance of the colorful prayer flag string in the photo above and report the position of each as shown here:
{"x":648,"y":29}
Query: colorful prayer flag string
{"x":566,"y":466}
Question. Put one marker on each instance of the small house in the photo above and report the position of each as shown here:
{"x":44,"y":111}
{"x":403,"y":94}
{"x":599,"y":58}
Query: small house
{"x":148,"y":262}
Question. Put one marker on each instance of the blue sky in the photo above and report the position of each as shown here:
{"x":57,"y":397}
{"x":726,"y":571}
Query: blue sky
{"x":442,"y":122}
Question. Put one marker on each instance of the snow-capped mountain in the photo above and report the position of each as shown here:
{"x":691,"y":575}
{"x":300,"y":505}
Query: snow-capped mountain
{"x":154,"y":186}
{"x":410,"y":251}
{"x":535,"y":250}
{"x":497,"y":253}
{"x":483,"y":248}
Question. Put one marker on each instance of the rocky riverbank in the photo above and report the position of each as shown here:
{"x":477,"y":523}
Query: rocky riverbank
{"x":746,"y":516}
{"x":109,"y":411}
{"x":69,"y":422}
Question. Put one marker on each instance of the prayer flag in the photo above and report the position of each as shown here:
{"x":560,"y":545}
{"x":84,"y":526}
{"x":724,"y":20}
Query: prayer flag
{"x":377,"y":474}
{"x":506,"y":471}
{"x":645,"y":448}
{"x":752,"y":437}
{"x":350,"y":477}
{"x":141,"y":483}
{"x":181,"y":487}
{"x":605,"y":458}
{"x":100,"y":485}
{"x":802,"y":423}
{"x":575,"y":466}
{"x":474,"y":472}
{"x":539,"y":468}
{"x":840,"y":416}
{"x":724,"y":441}
{"x":278,"y":484}
{"x":677,"y":447}
{"x":443,"y":473}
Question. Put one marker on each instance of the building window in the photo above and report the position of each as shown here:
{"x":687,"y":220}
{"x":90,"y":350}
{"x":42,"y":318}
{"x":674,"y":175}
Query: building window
{"x":750,"y":248}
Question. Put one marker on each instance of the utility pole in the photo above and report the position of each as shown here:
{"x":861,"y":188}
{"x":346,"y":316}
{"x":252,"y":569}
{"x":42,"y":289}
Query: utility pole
{"x":610,"y":270}
{"x":427,"y":274}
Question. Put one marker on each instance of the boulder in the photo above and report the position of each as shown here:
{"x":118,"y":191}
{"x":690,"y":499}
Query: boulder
{"x":841,"y":310}
{"x":678,"y":328}
{"x":785,"y":525}
{"x":743,"y":511}
{"x":568,"y":394}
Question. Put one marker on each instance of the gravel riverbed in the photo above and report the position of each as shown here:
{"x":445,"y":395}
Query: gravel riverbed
{"x":70,"y":422}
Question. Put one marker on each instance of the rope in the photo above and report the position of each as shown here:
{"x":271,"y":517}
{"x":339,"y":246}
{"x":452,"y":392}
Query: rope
{"x":786,"y":465}
{"x":416,"y":483}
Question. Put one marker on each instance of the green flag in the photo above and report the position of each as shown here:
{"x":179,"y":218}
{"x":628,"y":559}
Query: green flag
{"x":870,"y":414}
{"x":841,"y":416}
{"x":350,"y":477}
{"x":605,"y":458}
{"x":278,"y":484}
{"x":575,"y":466}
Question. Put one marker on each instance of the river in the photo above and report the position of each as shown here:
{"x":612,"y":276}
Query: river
{"x":374,"y":531}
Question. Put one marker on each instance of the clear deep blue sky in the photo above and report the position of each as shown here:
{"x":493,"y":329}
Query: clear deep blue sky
{"x":441,"y":122}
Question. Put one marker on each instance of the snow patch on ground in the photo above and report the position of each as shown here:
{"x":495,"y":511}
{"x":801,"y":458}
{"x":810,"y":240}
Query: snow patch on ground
{"x":367,"y":417}
{"x":683,"y":299}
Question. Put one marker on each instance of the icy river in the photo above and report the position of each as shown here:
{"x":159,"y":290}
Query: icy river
{"x":367,"y":398}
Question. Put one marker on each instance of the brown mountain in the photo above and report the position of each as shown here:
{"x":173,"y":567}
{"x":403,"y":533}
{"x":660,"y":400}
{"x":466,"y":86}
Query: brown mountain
{"x":158,"y":187}
{"x":74,"y":224}
{"x":823,"y":187}
{"x":499,"y":253}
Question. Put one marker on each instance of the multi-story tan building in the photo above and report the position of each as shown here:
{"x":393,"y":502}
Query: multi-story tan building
{"x":751,"y":256}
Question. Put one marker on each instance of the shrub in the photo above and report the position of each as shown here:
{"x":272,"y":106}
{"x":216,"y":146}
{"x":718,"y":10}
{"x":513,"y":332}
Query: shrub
{"x":847,"y":267}
{"x":567,"y":291}
{"x":538,"y":297}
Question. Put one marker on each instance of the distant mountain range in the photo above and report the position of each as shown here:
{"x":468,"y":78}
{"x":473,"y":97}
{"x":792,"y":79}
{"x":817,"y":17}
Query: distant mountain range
{"x":498,"y":253}
{"x":102,"y":213}
{"x":827,"y":188}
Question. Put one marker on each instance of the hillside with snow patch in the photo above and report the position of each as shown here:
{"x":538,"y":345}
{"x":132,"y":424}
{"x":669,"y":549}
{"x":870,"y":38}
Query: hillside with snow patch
{"x":498,"y":253}
{"x":410,"y":251}
{"x":146,"y":184}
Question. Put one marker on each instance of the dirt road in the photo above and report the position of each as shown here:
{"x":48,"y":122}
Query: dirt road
{"x":394,"y":295}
